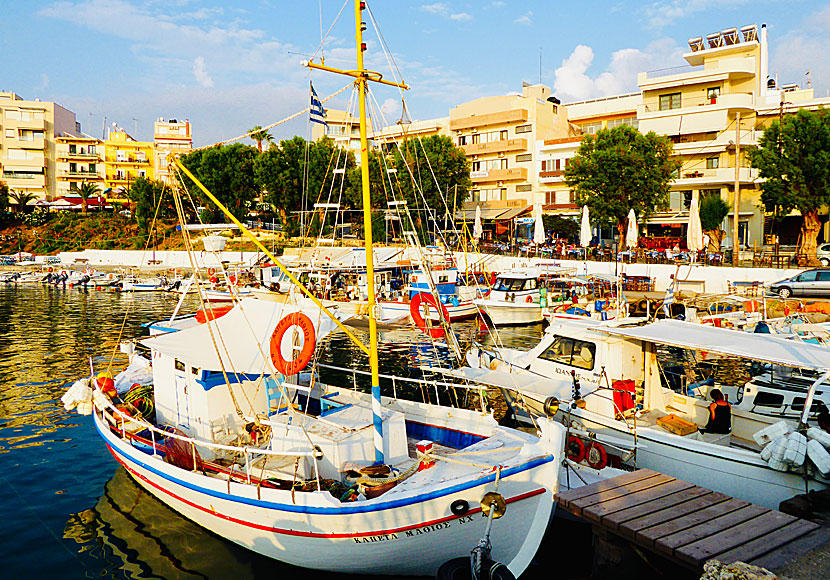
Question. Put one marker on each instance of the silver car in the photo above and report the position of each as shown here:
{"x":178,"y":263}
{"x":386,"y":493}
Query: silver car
{"x":823,"y":254}
{"x":809,"y":283}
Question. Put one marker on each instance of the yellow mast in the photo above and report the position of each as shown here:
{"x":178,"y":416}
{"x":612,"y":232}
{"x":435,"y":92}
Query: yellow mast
{"x":363,"y":77}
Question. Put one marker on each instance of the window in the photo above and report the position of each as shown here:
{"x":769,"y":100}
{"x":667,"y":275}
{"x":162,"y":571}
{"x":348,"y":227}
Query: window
{"x":503,"y":135}
{"x":591,"y":128}
{"x":462,"y":140}
{"x":712,"y":94}
{"x":712,"y":163}
{"x":476,"y":165}
{"x":823,"y":276}
{"x":476,"y":139}
{"x":765,"y":399}
{"x":524,"y":129}
{"x":551,"y":164}
{"x":92,"y":168}
{"x":807,"y":276}
{"x":670,"y":101}
{"x":91,"y":149}
{"x":632,"y":121}
{"x":73,"y":148}
{"x":571,"y":352}
{"x":524,"y":157}
{"x":523,"y":188}
{"x":10,"y":133}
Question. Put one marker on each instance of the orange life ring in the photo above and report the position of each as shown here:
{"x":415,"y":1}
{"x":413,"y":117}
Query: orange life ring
{"x":49,"y":269}
{"x":211,"y":271}
{"x":575,"y":449}
{"x":596,"y":456}
{"x":232,"y":279}
{"x":417,"y":317}
{"x":294,"y":366}
{"x":529,"y":299}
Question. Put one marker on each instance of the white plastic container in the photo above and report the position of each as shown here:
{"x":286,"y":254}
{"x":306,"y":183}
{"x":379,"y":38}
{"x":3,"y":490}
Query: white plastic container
{"x":774,"y":431}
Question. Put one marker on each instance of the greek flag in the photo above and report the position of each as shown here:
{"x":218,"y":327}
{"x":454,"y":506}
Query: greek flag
{"x":317,"y":114}
{"x":668,"y":300}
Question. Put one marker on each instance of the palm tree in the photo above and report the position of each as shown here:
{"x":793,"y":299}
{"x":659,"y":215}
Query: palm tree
{"x":21,"y":198}
{"x":87,"y":190}
{"x":258,"y":135}
{"x":4,"y":196}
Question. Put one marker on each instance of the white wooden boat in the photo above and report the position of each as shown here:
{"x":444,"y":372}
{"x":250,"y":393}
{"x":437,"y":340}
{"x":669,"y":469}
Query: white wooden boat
{"x":622,"y":400}
{"x":513,"y":300}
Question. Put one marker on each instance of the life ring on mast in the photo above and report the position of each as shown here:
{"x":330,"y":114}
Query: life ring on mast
{"x":575,"y":449}
{"x":418,"y":318}
{"x":292,"y":367}
{"x":596,"y":455}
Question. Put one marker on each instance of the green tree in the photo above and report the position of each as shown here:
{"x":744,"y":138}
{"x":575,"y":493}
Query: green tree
{"x":21,"y":199}
{"x":432,"y":175}
{"x":794,"y":158}
{"x":298,"y":174}
{"x":227,"y":171}
{"x":712,"y":210}
{"x":4,"y":196}
{"x":146,"y":195}
{"x":621,"y":169}
{"x":563,"y":227}
{"x":86,"y":191}
{"x":260,"y":136}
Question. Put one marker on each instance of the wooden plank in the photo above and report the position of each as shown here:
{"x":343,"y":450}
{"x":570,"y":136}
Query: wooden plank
{"x":565,"y":498}
{"x":706,"y":522}
{"x":713,"y":544}
{"x":617,"y":519}
{"x":584,"y":503}
{"x":651,"y":527}
{"x":768,"y":543}
{"x":794,"y":549}
{"x":598,"y":512}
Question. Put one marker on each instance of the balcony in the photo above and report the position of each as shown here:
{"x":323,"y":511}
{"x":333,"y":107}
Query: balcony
{"x":714,"y":71}
{"x":692,"y":104}
{"x":517,"y":173}
{"x":37,"y":144}
{"x":24,"y":181}
{"x":129,"y":161}
{"x":502,"y":146}
{"x":720,"y":176}
{"x":64,"y":154}
{"x":79,"y":175}
{"x":489,"y":120}
{"x":36,"y":124}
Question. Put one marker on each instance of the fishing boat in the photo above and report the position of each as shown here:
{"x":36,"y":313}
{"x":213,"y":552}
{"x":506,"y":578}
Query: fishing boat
{"x":514,"y":299}
{"x":238,"y":435}
{"x":622,"y":405}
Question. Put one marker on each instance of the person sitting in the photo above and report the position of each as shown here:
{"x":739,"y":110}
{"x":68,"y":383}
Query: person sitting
{"x":720,"y":414}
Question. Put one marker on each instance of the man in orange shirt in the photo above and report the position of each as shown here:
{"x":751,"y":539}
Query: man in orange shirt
{"x":720,"y":414}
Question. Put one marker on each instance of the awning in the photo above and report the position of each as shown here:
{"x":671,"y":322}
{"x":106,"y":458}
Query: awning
{"x":762,"y":347}
{"x":513,"y":212}
{"x":675,"y":218}
{"x":492,"y":213}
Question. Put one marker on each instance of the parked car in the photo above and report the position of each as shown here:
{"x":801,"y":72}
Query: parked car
{"x":823,"y":254}
{"x":814,"y":282}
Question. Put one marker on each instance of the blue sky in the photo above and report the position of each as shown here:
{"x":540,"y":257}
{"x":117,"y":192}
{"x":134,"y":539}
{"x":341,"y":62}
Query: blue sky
{"x":230,"y":65}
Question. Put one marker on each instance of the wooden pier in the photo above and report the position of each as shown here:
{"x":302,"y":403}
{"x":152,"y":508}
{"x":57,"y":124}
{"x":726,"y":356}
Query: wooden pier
{"x":690,"y":525}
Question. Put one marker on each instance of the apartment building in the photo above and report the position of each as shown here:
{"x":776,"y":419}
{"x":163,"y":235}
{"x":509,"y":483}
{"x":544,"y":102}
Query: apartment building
{"x":125,"y":159}
{"x":499,"y":135}
{"x":79,"y":160}
{"x":28,"y":148}
{"x":170,"y":138}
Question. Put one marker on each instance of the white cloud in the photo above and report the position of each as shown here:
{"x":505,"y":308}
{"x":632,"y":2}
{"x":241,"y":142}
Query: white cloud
{"x":202,"y":77}
{"x":44,"y":82}
{"x":391,"y":109}
{"x":573,"y":81}
{"x":443,"y":10}
{"x":803,"y":49}
{"x":526,"y":19}
{"x":498,"y":4}
{"x":664,"y":12}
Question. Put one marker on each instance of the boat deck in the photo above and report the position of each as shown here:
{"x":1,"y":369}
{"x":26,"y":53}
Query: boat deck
{"x":689,"y":524}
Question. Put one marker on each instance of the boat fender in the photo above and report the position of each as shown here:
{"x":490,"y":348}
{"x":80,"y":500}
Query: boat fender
{"x":576,"y":449}
{"x":551,"y":406}
{"x":292,"y":367}
{"x":796,"y":449}
{"x":596,"y":455}
{"x":767,"y":434}
{"x":459,"y":569}
{"x":819,"y":456}
{"x":820,"y":435}
{"x":459,"y":507}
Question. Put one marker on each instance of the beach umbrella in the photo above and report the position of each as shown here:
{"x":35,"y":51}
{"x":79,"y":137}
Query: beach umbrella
{"x":538,"y":226}
{"x":478,"y":229}
{"x":631,"y":233}
{"x":585,"y":229}
{"x":694,"y":233}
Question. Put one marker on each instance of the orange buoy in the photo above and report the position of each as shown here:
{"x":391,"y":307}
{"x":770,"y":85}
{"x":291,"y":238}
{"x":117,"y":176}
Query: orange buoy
{"x":292,"y":367}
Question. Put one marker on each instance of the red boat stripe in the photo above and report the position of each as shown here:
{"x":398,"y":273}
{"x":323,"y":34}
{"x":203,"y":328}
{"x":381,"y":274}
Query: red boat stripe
{"x":307,"y":534}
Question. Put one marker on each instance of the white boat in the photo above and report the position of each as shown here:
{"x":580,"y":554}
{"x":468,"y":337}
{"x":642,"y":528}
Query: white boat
{"x":275,"y":495}
{"x":623,"y":403}
{"x":513,"y":300}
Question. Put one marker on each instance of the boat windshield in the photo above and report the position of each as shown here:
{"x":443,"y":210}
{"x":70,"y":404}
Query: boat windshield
{"x":571,"y":352}
{"x":512,"y":284}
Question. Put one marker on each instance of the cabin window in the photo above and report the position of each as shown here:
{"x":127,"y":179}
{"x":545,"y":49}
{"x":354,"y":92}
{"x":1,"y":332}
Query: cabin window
{"x":798,"y":405}
{"x":530,"y":284}
{"x":764,"y":399}
{"x":571,"y":352}
{"x":807,"y":276}
{"x":508,"y":285}
{"x":179,"y":365}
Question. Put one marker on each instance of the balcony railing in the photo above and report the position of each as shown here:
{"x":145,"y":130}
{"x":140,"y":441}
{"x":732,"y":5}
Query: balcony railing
{"x":69,"y":155}
{"x":692,"y":104}
{"x":500,"y":118}
{"x":81,"y":174}
{"x":517,"y":173}
{"x":501,"y":146}
{"x":130,"y":161}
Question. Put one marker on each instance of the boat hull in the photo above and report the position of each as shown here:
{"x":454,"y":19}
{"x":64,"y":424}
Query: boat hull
{"x":463,"y":311}
{"x":410,"y":535}
{"x":510,"y":313}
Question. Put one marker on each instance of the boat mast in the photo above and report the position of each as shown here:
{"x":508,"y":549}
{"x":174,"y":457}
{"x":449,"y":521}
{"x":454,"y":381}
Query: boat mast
{"x":363,"y":77}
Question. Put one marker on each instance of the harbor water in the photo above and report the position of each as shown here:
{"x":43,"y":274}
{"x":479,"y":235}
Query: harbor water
{"x":70,"y":511}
